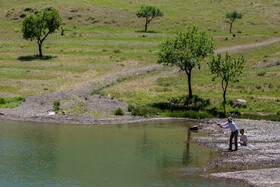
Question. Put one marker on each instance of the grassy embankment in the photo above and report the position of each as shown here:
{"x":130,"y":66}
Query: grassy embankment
{"x":104,"y":37}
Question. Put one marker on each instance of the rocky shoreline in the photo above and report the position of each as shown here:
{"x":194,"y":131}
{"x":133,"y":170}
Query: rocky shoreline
{"x":257,"y":164}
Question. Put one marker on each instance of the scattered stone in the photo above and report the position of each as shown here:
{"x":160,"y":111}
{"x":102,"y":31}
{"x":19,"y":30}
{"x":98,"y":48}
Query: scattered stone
{"x":2,"y":114}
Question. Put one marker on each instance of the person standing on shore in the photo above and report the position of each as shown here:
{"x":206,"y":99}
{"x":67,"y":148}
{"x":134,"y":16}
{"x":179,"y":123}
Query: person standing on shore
{"x":234,"y":132}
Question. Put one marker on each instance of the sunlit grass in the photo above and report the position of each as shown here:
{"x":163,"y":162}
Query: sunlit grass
{"x":115,"y":43}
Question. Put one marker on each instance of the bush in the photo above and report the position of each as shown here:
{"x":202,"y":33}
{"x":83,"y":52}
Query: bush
{"x":22,"y":15}
{"x":28,"y":9}
{"x":189,"y":114}
{"x":262,"y":73}
{"x":116,"y":50}
{"x":143,"y":110}
{"x":22,"y":99}
{"x":11,"y":102}
{"x":167,"y":106}
{"x":8,"y":14}
{"x":2,"y":100}
{"x":119,"y":112}
{"x":56,"y":106}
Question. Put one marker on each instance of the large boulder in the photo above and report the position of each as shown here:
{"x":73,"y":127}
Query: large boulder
{"x":239,"y":102}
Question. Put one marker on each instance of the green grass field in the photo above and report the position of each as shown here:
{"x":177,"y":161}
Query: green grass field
{"x":103,"y":37}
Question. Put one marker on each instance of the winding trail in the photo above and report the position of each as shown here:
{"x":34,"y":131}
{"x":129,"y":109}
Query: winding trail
{"x":248,"y":46}
{"x":36,"y":106}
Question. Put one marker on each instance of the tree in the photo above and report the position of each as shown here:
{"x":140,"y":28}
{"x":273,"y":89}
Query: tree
{"x":228,"y":69}
{"x":149,"y":12}
{"x":232,"y":16}
{"x":39,"y":26}
{"x":186,"y":51}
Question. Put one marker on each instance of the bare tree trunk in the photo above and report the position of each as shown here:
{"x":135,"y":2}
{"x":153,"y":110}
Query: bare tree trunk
{"x":224,"y":95}
{"x":146,"y":24}
{"x":230,"y":26}
{"x":225,"y":92}
{"x":40,"y":48}
{"x":189,"y":84}
{"x":62,"y":31}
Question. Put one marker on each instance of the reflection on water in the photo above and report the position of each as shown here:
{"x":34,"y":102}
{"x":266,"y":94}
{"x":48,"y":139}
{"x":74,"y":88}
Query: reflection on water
{"x":100,"y":155}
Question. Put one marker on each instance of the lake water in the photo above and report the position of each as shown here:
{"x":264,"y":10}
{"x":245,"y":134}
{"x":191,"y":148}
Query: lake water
{"x":146,"y":154}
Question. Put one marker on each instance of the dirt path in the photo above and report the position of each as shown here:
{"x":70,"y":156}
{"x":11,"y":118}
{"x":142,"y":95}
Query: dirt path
{"x":248,"y":46}
{"x":81,"y":107}
{"x":80,"y":102}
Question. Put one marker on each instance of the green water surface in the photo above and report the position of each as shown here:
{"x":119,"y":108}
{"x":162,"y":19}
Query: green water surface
{"x":146,"y":154}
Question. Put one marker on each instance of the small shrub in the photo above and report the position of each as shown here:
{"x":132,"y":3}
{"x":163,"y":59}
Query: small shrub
{"x":119,"y":112}
{"x":8,"y":14}
{"x":278,"y":113}
{"x":74,"y":10}
{"x":258,"y":87}
{"x":22,"y":15}
{"x":262,"y":73}
{"x":189,"y":114}
{"x":11,"y":102}
{"x":143,"y":110}
{"x":56,"y":106}
{"x":130,"y":108}
{"x":239,"y":32}
{"x":2,"y":100}
{"x":22,"y":99}
{"x":28,"y":9}
{"x":116,"y":50}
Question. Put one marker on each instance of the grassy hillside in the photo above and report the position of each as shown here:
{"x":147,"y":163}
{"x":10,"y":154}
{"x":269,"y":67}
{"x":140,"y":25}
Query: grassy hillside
{"x":104,"y":37}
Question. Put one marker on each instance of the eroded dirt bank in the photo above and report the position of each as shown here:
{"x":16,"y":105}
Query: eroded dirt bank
{"x":263,"y":151}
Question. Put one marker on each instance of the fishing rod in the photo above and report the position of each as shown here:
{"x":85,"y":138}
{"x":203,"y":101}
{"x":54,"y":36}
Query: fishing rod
{"x":213,"y":120}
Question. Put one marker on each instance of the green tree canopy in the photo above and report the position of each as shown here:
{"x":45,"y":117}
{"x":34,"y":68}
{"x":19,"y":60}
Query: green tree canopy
{"x":39,"y":26}
{"x":232,"y":16}
{"x":186,"y":51}
{"x":149,"y":12}
{"x":228,"y":69}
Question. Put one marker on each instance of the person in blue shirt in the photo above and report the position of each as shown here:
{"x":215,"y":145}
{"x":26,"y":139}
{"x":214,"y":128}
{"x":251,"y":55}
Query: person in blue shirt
{"x":234,"y":132}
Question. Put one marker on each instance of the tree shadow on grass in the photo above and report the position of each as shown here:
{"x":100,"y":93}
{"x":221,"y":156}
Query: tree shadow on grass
{"x":196,"y":104}
{"x":143,"y":31}
{"x":35,"y":57}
